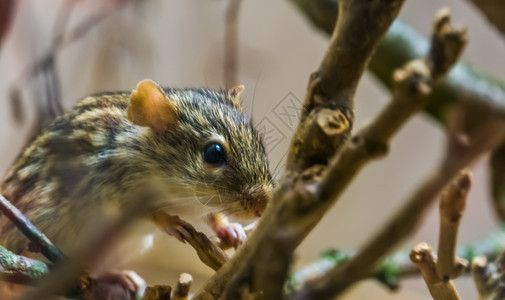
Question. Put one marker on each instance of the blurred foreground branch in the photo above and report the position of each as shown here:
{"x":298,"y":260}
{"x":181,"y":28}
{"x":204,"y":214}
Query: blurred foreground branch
{"x":46,"y":65}
{"x":65,"y":277}
{"x":398,"y":266}
{"x":464,"y":86}
{"x":231,"y":43}
{"x":493,"y":10}
{"x":7,"y":11}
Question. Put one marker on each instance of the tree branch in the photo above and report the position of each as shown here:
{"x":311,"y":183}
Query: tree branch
{"x":7,"y":11}
{"x":261,"y":264}
{"x":208,"y":252}
{"x":19,"y":269}
{"x":493,"y":10}
{"x":452,"y":207}
{"x":38,"y":240}
{"x":181,"y":291}
{"x":438,"y":272}
{"x":464,"y":86}
{"x":396,"y":267}
{"x":231,"y":43}
{"x":413,"y":85}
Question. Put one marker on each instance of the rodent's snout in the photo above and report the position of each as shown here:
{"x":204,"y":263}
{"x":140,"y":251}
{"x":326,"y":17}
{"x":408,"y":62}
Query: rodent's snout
{"x":255,"y":200}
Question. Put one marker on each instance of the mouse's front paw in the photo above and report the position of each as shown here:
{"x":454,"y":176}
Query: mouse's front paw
{"x":231,"y":234}
{"x":128,"y":280}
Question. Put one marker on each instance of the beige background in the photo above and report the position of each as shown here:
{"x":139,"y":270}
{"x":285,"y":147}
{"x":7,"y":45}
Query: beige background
{"x":180,"y":43}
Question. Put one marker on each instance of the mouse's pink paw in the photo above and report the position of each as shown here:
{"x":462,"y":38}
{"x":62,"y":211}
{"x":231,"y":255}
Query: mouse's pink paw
{"x":128,"y":280}
{"x":232,"y":234}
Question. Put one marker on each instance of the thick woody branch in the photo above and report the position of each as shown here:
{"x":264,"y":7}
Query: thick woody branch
{"x":261,"y":264}
{"x":452,"y":207}
{"x":422,"y":256}
{"x":410,"y":94}
{"x":38,"y":240}
{"x":413,"y":84}
{"x":351,"y":46}
{"x":330,"y":90}
{"x":493,"y":10}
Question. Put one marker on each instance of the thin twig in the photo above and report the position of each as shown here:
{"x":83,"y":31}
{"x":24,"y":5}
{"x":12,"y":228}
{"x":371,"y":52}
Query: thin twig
{"x":208,"y":252}
{"x":438,"y":272}
{"x":452,"y":207}
{"x":37,"y":238}
{"x":181,"y":291}
{"x":231,"y":44}
{"x":53,"y":86}
{"x":65,"y":39}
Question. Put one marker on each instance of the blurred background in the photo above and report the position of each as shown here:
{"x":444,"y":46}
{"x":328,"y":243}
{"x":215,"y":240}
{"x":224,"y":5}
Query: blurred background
{"x":57,"y":52}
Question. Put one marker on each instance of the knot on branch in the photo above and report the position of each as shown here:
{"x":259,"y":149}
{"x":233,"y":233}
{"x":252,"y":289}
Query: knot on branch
{"x":307,"y":190}
{"x":369,"y":146}
{"x":412,"y":82}
{"x":332,"y":122}
{"x":440,"y":288}
{"x":319,"y":136}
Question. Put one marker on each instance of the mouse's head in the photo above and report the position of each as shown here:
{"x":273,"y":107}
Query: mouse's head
{"x":206,"y":145}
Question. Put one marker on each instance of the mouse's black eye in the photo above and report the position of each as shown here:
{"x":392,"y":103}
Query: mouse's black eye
{"x":214,"y":154}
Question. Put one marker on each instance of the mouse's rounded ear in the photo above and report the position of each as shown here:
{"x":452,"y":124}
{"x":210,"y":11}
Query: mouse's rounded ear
{"x":150,"y":106}
{"x":234,"y":96}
